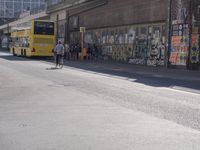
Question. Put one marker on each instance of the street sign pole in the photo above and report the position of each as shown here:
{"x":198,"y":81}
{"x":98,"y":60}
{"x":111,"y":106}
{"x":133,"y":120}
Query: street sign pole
{"x":169,"y":24}
{"x":82,"y":30}
{"x":190,"y":36}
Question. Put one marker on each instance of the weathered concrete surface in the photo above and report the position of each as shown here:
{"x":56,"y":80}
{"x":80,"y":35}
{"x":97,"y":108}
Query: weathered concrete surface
{"x":72,"y":109}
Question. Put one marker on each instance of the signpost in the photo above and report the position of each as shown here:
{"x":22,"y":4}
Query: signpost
{"x":82,"y":30}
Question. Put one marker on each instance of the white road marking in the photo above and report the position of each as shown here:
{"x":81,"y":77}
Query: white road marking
{"x":182,"y":90}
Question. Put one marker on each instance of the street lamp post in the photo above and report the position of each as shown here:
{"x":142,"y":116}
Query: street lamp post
{"x":190,"y":36}
{"x":57,"y":18}
{"x":8,"y":30}
{"x":169,"y":24}
{"x":82,"y":30}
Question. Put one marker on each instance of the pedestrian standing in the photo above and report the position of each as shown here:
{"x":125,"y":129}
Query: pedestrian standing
{"x":59,"y":53}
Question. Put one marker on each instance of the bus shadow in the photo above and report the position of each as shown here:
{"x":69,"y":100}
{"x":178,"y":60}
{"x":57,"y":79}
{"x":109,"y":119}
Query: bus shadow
{"x":15,"y":58}
{"x":21,"y":58}
{"x":152,"y":76}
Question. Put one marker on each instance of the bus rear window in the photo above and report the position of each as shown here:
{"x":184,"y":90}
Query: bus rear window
{"x":43,"y":28}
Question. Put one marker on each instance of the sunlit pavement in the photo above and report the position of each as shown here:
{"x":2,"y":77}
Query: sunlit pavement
{"x":91,"y":109}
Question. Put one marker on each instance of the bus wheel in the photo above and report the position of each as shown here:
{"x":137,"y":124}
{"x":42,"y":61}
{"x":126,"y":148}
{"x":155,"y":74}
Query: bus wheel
{"x":13,"y":51}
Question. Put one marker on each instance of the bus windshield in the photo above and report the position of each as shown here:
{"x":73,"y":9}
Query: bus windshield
{"x":43,"y":28}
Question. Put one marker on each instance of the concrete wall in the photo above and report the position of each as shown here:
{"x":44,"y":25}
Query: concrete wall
{"x":126,"y":12}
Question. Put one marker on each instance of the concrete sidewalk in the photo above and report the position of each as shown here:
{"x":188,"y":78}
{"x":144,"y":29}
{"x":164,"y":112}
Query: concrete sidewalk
{"x":129,"y":69}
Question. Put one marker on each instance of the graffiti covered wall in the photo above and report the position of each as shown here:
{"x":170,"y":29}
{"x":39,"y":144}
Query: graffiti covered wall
{"x":194,"y":56}
{"x":141,"y":44}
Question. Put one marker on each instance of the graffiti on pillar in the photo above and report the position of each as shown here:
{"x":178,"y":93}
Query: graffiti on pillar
{"x":195,"y":52}
{"x":194,"y":57}
{"x":179,"y":44}
{"x":180,"y":33}
{"x":179,"y":50}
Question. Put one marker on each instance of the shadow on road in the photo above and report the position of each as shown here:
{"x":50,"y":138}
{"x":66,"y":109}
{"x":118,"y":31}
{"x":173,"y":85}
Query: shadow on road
{"x":10,"y":57}
{"x":156,"y":77}
{"x":14,"y":58}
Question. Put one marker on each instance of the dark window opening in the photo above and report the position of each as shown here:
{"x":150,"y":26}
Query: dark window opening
{"x":43,"y":28}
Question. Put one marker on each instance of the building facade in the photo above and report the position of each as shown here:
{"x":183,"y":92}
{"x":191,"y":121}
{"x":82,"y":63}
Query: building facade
{"x":12,"y":8}
{"x":133,"y":31}
{"x":58,"y":10}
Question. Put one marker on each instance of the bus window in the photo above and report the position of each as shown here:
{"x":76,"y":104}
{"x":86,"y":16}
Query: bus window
{"x":25,"y":42}
{"x":43,"y":28}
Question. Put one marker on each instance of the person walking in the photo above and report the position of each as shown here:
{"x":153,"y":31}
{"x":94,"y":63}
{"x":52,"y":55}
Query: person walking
{"x":59,"y":53}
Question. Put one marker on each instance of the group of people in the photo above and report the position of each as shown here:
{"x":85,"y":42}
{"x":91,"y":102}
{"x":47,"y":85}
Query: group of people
{"x":93,"y":52}
{"x":67,"y":52}
{"x":71,"y":52}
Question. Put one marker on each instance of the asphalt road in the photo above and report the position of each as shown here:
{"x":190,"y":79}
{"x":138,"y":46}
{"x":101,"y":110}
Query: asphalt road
{"x":76,"y":109}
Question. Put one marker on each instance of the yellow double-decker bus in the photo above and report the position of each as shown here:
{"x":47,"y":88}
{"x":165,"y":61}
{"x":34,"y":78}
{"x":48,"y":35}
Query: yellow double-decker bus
{"x":37,"y":39}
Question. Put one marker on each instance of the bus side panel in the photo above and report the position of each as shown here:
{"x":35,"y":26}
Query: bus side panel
{"x":43,"y":45}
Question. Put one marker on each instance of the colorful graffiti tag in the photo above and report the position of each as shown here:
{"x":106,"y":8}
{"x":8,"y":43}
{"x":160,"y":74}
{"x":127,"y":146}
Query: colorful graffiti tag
{"x":131,"y":44}
{"x":179,"y":50}
{"x":180,"y":34}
